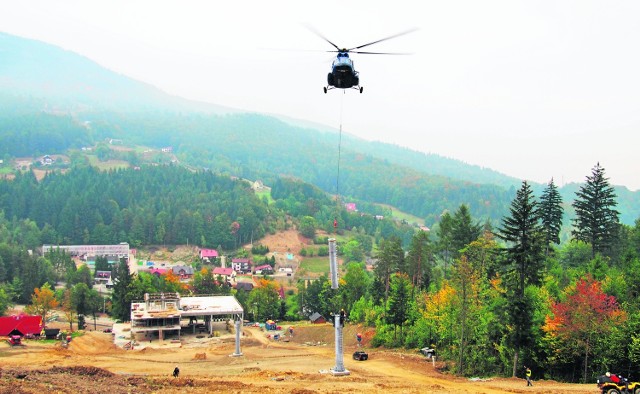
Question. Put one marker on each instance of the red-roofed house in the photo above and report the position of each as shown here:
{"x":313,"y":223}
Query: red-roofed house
{"x":158,"y":271}
{"x":265,"y":269}
{"x":20,"y":325}
{"x":208,"y":254}
{"x":226,"y":273}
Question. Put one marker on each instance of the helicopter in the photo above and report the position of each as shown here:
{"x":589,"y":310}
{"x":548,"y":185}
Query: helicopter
{"x":343,"y":74}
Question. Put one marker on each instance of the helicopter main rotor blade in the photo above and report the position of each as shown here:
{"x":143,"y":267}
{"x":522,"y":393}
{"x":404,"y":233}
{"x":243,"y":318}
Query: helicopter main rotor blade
{"x":382,"y":39}
{"x":321,"y":36}
{"x":380,"y":53}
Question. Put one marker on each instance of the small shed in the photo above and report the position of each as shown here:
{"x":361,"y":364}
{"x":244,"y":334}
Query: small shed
{"x":317,"y":318}
{"x":51,"y":333}
{"x":246,"y":286}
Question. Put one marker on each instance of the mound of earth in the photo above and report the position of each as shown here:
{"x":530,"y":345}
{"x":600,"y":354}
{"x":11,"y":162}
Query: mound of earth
{"x":91,"y":364}
{"x":288,"y":241}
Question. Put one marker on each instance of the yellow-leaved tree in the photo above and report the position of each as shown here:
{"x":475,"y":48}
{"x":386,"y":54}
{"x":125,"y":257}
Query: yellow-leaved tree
{"x":43,"y":301}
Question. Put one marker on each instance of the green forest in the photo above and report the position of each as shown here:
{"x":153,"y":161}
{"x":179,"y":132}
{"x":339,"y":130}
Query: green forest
{"x":493,"y":298}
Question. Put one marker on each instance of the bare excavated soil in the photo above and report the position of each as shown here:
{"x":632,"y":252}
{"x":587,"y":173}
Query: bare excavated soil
{"x":289,"y":241}
{"x":93,"y":364}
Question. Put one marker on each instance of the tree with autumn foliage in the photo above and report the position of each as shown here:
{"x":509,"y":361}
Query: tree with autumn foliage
{"x":265,"y":299}
{"x":43,"y":301}
{"x":440,"y":317}
{"x":585,"y":314}
{"x":68,"y":307}
{"x":171,"y":283}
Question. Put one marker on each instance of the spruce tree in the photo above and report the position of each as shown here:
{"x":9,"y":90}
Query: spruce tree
{"x":390,"y":258}
{"x":524,"y":260}
{"x":551,"y":212}
{"x":596,"y":220}
{"x":419,"y":260}
{"x":444,"y":244}
{"x":399,"y":302}
{"x":463,"y":230}
{"x":120,"y":298}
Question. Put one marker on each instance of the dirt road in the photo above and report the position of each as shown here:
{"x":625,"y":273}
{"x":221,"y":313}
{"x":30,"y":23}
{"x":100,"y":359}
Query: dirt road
{"x":92,"y":364}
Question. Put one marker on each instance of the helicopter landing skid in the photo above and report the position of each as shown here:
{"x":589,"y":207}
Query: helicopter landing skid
{"x":327,"y":88}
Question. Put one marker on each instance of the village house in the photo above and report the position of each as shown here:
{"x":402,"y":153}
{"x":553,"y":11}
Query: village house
{"x":227,"y":274}
{"x":257,"y":186}
{"x":265,"y":269}
{"x":47,"y":160}
{"x":242,"y":265}
{"x":158,"y":271}
{"x":208,"y":255}
{"x":183,"y":271}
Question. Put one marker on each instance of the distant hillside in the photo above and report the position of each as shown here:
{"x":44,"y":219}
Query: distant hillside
{"x":61,"y":100}
{"x":30,"y":68}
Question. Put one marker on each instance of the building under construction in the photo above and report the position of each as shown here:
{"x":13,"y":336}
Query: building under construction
{"x":165,"y":313}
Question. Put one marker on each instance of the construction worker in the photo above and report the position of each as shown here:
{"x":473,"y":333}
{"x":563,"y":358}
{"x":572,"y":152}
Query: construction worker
{"x":528,"y":375}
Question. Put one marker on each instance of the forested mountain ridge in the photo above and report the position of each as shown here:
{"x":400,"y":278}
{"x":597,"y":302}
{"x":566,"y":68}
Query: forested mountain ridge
{"x":89,"y":104}
{"x":60,"y":80}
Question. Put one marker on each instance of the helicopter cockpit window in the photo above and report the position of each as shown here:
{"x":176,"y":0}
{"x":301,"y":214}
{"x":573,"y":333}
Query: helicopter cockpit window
{"x":342,"y":61}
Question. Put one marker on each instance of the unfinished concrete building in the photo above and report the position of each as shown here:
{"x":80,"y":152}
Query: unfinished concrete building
{"x":169,"y":313}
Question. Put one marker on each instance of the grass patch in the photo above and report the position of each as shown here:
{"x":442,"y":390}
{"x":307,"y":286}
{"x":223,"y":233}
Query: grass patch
{"x":316,"y":265}
{"x":107,"y":165}
{"x":265,"y":193}
{"x":399,"y":215}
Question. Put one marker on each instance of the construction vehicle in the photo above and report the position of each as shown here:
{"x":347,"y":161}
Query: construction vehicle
{"x":360,"y":355}
{"x":607,"y":385}
{"x":15,"y":340}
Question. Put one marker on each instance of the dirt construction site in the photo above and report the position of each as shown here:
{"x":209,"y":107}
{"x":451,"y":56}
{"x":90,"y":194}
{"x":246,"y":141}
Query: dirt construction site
{"x":92,"y":363}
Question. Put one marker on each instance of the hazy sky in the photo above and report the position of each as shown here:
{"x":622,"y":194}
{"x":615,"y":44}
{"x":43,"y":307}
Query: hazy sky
{"x":533,"y":89}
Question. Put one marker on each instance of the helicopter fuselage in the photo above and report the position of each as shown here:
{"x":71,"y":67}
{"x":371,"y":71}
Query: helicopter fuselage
{"x":343,"y":74}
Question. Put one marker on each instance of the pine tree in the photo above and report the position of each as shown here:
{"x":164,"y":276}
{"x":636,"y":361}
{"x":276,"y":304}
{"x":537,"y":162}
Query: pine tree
{"x":444,"y":244}
{"x":551,"y":212}
{"x":463,"y":230}
{"x":399,"y":302}
{"x":390,"y":257}
{"x":120,"y":297}
{"x":596,"y":219}
{"x":524,"y":261}
{"x":419,"y":260}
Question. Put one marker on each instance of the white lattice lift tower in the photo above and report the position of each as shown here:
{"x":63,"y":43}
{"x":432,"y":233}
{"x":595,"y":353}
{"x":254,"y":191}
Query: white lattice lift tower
{"x":339,"y":318}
